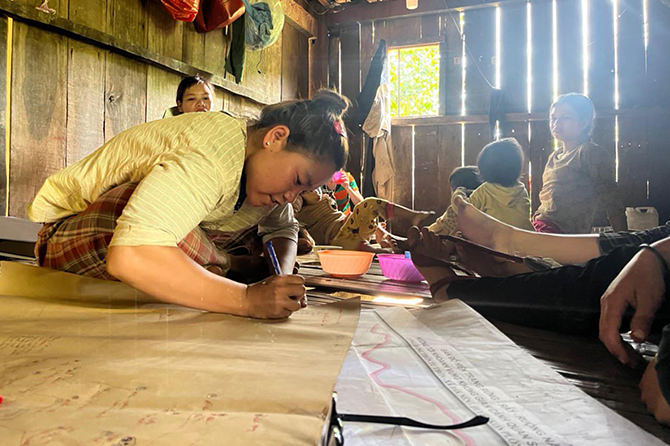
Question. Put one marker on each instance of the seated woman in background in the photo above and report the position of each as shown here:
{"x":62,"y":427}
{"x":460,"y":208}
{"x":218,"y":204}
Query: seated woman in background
{"x":604,"y":277}
{"x":160,"y":205}
{"x":194,"y":94}
{"x":579,"y":175}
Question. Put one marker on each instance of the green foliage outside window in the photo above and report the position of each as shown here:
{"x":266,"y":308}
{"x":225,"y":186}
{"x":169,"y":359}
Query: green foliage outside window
{"x":414,"y":75}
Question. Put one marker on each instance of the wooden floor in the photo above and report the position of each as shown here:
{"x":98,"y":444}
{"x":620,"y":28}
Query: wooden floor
{"x":581,"y":360}
{"x":587,"y":364}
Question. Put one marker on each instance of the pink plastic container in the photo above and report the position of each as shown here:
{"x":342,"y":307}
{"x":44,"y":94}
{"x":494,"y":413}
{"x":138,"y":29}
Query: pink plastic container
{"x":398,"y":267}
{"x":343,"y":263}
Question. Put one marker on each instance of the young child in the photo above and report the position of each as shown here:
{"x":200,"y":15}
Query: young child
{"x":466,"y":178}
{"x":501,"y":194}
{"x":329,"y":226}
{"x":147,"y":207}
{"x":579,"y":175}
{"x":345,"y":191}
{"x":194,"y":94}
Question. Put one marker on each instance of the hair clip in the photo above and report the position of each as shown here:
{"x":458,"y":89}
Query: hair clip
{"x":339,"y":129}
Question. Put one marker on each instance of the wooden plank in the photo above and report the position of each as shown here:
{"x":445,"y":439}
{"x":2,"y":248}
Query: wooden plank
{"x":318,"y":60}
{"x":570,"y":77}
{"x":164,"y":34}
{"x":295,"y":67}
{"x":658,"y":132}
{"x":220,"y":96}
{"x":604,"y":136}
{"x":542,"y":64}
{"x":85,"y":100}
{"x":540,"y":147}
{"x":630,"y":45}
{"x":120,"y":45}
{"x":242,"y":107}
{"x":513,"y":63}
{"x":403,"y":146}
{"x":263,"y":69}
{"x":53,"y":8}
{"x":480,"y":39}
{"x":658,"y":62}
{"x":125,"y":94}
{"x":402,"y":31}
{"x":216,"y":51}
{"x":91,"y":13}
{"x":334,"y":62}
{"x":297,"y":16}
{"x":476,"y":137}
{"x":161,"y":92}
{"x":193,"y":46}
{"x":349,"y":40}
{"x":364,"y":11}
{"x":430,"y":28}
{"x":126,"y":20}
{"x":38,"y":115}
{"x":600,"y":49}
{"x":426,"y":168}
{"x":633,"y":161}
{"x":4,"y":116}
{"x":519,"y":131}
{"x":448,"y":158}
{"x":451,"y":64}
{"x":368,"y":46}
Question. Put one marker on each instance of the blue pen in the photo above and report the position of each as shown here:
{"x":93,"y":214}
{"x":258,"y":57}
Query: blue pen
{"x":273,"y":257}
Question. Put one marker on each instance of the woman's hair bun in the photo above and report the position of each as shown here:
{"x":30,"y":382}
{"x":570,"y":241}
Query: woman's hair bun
{"x":329,"y":101}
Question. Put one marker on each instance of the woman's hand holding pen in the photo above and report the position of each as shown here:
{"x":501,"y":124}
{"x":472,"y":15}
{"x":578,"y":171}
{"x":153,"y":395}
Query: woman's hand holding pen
{"x":276,"y":297}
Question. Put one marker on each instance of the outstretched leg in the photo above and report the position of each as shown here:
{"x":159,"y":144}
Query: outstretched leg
{"x":486,"y":230}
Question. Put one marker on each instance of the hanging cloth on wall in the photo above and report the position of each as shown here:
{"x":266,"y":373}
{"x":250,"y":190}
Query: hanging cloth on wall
{"x":182,"y":10}
{"x":216,"y":14}
{"x":373,"y":116}
{"x":264,"y":22}
{"x":235,"y":58}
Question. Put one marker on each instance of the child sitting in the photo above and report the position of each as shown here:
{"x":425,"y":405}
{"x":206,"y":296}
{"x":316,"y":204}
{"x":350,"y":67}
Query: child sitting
{"x":465,"y":178}
{"x":328,"y":226}
{"x":501,"y":195}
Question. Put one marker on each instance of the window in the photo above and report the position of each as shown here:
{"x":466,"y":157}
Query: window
{"x":414,"y":77}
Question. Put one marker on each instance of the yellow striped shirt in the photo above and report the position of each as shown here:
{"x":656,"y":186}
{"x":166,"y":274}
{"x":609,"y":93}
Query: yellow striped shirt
{"x":188,"y":168}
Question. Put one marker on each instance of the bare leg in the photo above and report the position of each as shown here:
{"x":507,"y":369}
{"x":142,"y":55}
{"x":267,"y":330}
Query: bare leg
{"x":486,"y":230}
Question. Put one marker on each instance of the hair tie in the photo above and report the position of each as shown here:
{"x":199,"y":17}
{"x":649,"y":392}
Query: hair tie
{"x":337,"y":125}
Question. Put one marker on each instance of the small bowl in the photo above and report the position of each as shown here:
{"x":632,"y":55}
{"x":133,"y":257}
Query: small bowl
{"x":343,"y":263}
{"x":318,"y":248}
{"x":398,"y":267}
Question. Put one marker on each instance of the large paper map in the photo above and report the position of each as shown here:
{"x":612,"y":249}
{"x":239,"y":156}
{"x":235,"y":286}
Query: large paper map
{"x":90,"y":362}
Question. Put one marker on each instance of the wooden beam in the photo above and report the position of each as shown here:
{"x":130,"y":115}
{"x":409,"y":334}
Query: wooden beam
{"x":83,"y":33}
{"x":647,"y":113}
{"x":300,"y":18}
{"x":364,"y":11}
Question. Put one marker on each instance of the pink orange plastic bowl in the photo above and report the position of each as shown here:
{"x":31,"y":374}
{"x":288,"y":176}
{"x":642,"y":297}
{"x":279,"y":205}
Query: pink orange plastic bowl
{"x":343,"y":263}
{"x":398,"y":267}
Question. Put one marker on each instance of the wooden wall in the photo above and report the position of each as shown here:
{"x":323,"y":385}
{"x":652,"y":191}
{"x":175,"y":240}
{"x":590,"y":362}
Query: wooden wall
{"x":68,"y":95}
{"x":427,"y":149}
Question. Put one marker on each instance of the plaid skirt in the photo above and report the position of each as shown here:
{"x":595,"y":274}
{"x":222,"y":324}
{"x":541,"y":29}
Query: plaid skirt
{"x":78,"y":244}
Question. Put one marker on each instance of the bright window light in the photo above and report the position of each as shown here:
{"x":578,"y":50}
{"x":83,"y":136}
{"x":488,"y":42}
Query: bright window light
{"x":414,"y":80}
{"x":529,"y":57}
{"x":554,"y":47}
{"x":615,"y":24}
{"x":464,"y":62}
{"x":585,"y":45}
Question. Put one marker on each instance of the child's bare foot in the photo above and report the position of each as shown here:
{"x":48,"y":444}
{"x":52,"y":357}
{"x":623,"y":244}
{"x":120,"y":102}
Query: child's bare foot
{"x":482,"y":228}
{"x":439,"y":275}
{"x":425,"y":243}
